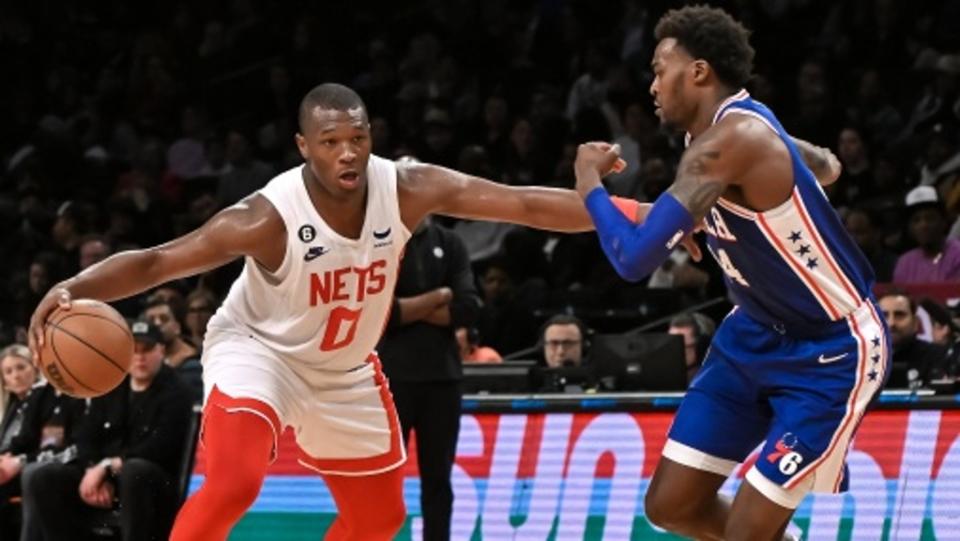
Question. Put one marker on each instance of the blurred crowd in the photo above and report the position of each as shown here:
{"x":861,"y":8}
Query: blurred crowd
{"x":126,"y":127}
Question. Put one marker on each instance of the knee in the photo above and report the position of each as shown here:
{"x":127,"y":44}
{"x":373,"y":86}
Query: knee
{"x":664,"y":509}
{"x":139,"y":474}
{"x":392,"y":519}
{"x":382,"y":525}
{"x":737,"y":530}
{"x":43,"y":484}
{"x":136,"y":469}
{"x":236,"y":492}
{"x":40,"y":479}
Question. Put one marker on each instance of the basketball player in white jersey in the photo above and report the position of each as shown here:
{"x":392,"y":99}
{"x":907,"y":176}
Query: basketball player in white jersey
{"x":293,"y":343}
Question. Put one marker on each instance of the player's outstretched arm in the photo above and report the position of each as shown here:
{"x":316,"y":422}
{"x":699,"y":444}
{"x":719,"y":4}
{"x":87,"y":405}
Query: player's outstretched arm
{"x":250,"y":227}
{"x":430,"y":189}
{"x":636,"y":250}
{"x":824,"y":164}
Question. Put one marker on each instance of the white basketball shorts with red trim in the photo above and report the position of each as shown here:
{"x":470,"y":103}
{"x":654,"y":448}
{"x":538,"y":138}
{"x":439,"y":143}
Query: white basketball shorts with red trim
{"x":347,"y":425}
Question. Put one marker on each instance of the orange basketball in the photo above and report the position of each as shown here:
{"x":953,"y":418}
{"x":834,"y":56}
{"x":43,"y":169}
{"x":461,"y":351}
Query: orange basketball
{"x":87,"y":349}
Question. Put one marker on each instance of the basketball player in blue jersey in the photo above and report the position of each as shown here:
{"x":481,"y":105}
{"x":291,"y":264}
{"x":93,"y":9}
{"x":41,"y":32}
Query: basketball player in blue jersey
{"x":795,"y":364}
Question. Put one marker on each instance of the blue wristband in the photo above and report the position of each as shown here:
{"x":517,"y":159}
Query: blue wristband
{"x":635,"y":250}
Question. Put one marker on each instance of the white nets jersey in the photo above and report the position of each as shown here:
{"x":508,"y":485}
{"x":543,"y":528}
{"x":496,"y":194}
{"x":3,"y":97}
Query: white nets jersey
{"x":324,"y":308}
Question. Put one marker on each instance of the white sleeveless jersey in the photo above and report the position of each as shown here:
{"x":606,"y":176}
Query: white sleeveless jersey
{"x":324,"y":309}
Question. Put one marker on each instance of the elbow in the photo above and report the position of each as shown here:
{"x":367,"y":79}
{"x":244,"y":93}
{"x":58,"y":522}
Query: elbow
{"x":631,"y":271}
{"x":826,"y":178}
{"x":155,"y":266}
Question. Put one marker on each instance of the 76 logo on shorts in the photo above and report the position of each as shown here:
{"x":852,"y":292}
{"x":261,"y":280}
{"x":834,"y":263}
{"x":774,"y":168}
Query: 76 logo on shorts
{"x":788,"y":461}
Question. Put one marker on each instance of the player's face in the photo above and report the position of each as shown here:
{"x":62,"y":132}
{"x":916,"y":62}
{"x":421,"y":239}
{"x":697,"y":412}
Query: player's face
{"x":672,"y":71}
{"x":562,"y":344}
{"x":18,"y":374}
{"x":336,"y":147}
{"x":902,"y":322}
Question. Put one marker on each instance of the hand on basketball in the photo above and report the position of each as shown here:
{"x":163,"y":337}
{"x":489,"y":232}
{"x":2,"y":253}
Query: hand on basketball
{"x":57,"y":297}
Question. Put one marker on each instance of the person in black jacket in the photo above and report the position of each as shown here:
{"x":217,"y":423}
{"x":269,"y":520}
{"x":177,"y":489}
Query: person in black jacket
{"x":129,"y":448}
{"x":19,"y":377}
{"x":36,"y":425}
{"x":435,"y":294}
{"x":48,"y":436}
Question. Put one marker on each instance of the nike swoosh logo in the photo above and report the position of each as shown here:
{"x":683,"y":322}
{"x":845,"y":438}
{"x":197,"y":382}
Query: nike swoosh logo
{"x":380,"y":235}
{"x":828,"y":360}
{"x":314,"y":252}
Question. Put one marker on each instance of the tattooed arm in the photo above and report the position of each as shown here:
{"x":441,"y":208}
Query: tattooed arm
{"x":634,"y":250}
{"x":715,"y":159}
{"x":699,"y":183}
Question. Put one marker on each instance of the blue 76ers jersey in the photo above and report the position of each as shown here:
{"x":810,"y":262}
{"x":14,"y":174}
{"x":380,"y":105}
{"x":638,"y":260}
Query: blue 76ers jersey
{"x":794,"y":266}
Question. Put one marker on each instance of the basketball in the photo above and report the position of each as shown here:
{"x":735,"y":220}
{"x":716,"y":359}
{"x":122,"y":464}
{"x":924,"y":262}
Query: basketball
{"x":86,"y":350}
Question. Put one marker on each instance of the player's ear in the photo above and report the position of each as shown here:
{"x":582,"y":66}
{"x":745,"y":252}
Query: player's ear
{"x":302,"y":145}
{"x":701,"y":69}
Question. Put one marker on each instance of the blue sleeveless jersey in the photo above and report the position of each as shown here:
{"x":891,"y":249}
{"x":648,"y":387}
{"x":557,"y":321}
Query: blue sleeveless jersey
{"x":793,"y":267}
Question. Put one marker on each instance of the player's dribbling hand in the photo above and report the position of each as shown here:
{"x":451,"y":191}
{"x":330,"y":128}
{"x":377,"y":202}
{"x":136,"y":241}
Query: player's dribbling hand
{"x":57,"y":297}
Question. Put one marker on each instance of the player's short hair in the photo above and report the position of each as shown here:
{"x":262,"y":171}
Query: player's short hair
{"x":331,"y":96}
{"x":713,"y":35}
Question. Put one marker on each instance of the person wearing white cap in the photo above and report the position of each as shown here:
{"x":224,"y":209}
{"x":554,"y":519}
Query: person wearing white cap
{"x":936,"y":258}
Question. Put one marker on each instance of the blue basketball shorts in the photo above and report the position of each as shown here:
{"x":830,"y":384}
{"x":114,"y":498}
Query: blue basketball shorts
{"x":800,"y":399}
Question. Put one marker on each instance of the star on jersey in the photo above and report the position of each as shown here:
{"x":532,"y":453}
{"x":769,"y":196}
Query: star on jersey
{"x":876,"y":341}
{"x":875,"y":358}
{"x":812,"y":263}
{"x":795,"y":236}
{"x":873,"y":375}
{"x":804,"y":249}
